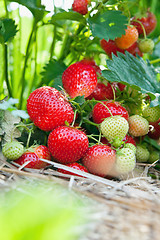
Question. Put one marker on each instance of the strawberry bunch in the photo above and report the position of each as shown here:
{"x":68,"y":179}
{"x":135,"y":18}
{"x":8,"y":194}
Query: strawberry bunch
{"x":97,"y":136}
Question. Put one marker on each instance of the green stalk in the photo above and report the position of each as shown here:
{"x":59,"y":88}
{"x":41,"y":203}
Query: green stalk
{"x":5,"y":5}
{"x":6,"y":70}
{"x":26,"y":61}
{"x":153,"y":6}
{"x":155,"y":61}
{"x":53,"y":42}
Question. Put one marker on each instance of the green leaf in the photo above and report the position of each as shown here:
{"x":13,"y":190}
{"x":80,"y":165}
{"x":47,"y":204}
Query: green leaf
{"x":53,"y":72}
{"x":80,"y":100}
{"x":35,"y":6}
{"x":8,"y":29}
{"x":74,"y":16}
{"x":108,"y":25}
{"x":135,"y":72}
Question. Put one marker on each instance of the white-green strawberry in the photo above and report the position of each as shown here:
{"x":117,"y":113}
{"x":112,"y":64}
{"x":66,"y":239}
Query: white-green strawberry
{"x":115,"y":127}
{"x":131,"y":146}
{"x":125,"y":161}
{"x":138,"y":126}
{"x":152,"y":114}
{"x":13,"y":150}
{"x":142,"y":153}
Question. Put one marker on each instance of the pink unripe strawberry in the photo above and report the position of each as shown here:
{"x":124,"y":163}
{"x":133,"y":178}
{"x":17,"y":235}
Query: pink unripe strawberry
{"x":138,"y":126}
{"x":99,"y":159}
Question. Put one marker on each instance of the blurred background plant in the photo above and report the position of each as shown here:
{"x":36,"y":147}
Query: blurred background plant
{"x":39,"y":39}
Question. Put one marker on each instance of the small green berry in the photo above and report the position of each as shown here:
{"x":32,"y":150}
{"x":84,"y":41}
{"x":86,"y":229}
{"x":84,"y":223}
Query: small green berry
{"x":131,"y":146}
{"x":142,"y":153}
{"x":13,"y":150}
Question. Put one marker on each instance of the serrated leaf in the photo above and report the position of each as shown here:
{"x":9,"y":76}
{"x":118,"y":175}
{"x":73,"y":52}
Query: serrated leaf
{"x":135,"y":72}
{"x":74,"y":16}
{"x":80,"y":100}
{"x":108,"y":25}
{"x":37,"y":9}
{"x":53,"y":72}
{"x":8,"y":29}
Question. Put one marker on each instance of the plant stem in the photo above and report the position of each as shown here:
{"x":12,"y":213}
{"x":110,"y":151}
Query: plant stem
{"x":53,"y":42}
{"x":155,"y":61}
{"x":6,"y":70}
{"x":26,"y":61}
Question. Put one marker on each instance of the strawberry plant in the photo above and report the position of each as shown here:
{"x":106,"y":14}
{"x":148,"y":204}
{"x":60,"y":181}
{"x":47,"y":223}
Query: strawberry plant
{"x":82,"y":82}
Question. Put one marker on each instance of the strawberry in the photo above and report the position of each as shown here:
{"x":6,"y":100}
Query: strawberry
{"x":80,"y":6}
{"x":33,"y":158}
{"x":79,"y":79}
{"x":138,"y":126}
{"x":128,"y":39}
{"x":125,"y":161}
{"x":115,"y":127}
{"x":152,"y":114}
{"x":149,"y":23}
{"x":76,"y":166}
{"x":146,"y":45}
{"x":102,"y":92}
{"x":99,"y":159}
{"x":134,"y":50}
{"x":142,"y":153}
{"x":48,"y":108}
{"x":91,"y":62}
{"x":12,"y":150}
{"x":67,"y":144}
{"x":130,"y":146}
{"x":129,"y":139}
{"x":100,"y":112}
{"x":154,"y":133}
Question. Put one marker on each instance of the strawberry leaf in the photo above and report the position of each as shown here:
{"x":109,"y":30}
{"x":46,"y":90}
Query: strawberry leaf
{"x":74,"y":16}
{"x":108,"y":25}
{"x":134,"y":72}
{"x":53,"y":72}
{"x":8,"y":29}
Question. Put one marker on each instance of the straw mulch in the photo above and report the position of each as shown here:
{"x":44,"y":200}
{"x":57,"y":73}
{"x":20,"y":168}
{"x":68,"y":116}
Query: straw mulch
{"x":123,"y":209}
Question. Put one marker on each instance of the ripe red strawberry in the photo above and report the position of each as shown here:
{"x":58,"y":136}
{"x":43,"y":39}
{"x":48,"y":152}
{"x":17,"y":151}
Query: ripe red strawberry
{"x":80,"y":6}
{"x":149,"y":22}
{"x":67,"y":144}
{"x":76,"y":166}
{"x":34,"y":156}
{"x":155,"y":132}
{"x":48,"y":108}
{"x":138,"y":126}
{"x":102,"y":92}
{"x":99,"y":159}
{"x":79,"y":79}
{"x":91,"y":62}
{"x":110,"y":47}
{"x":134,"y":50}
{"x":128,"y":39}
{"x":100,"y":112}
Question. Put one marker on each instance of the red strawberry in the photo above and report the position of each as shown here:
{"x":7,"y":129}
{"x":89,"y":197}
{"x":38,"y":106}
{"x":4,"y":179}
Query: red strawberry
{"x":102,"y":92}
{"x":129,"y":139}
{"x":80,"y":6}
{"x":149,"y":22}
{"x":99,"y":159}
{"x":67,"y":144}
{"x":48,"y":108}
{"x":110,"y":47}
{"x":76,"y":166}
{"x":100,"y":112}
{"x":128,"y":39}
{"x":134,"y":50}
{"x":155,"y":132}
{"x":79,"y":79}
{"x":34,"y":157}
{"x":91,"y":62}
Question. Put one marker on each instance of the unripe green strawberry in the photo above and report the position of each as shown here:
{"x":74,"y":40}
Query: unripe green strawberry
{"x":13,"y":150}
{"x":154,"y":156}
{"x":152,"y":114}
{"x":131,"y":146}
{"x":125,"y":161}
{"x":138,"y":126}
{"x":114,"y":127}
{"x":146,"y":45}
{"x":142,"y":153}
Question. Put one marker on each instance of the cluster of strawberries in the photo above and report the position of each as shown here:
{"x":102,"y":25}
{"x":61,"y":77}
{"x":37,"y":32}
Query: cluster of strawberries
{"x":114,"y":151}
